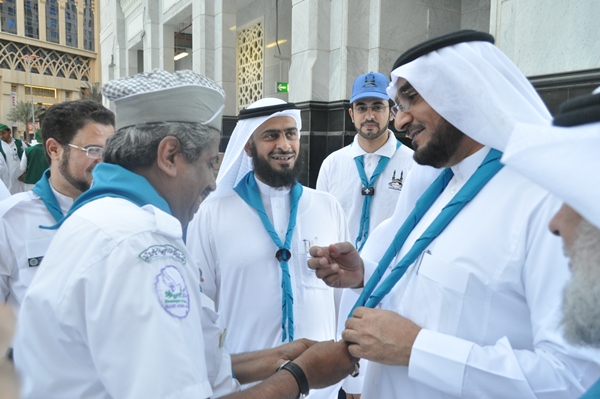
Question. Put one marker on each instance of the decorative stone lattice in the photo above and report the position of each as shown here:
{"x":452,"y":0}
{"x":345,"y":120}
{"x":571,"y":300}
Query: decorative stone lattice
{"x":250,"y":54}
{"x":51,"y":62}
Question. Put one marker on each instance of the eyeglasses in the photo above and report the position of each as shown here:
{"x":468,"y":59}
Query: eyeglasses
{"x":362,"y":109}
{"x":404,"y":100}
{"x":93,"y":152}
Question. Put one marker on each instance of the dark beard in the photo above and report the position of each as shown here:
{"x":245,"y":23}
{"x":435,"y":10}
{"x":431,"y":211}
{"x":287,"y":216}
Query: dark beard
{"x":442,"y":146}
{"x":63,"y":168}
{"x":273,"y":177}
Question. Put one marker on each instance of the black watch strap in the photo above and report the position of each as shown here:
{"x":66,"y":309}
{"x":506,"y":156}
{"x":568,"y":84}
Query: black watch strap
{"x":298,"y":374}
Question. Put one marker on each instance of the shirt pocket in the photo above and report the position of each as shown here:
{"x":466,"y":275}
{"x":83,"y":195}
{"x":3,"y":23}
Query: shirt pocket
{"x":308,"y":276}
{"x":438,"y":294}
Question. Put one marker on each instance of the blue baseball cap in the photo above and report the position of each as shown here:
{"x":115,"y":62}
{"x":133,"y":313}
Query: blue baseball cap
{"x":372,"y":84}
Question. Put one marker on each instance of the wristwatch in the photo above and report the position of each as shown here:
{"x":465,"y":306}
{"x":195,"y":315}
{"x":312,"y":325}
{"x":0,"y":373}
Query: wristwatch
{"x":299,"y":375}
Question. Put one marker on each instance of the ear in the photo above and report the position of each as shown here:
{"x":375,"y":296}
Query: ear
{"x":247,"y":148}
{"x":391,"y":115}
{"x":168,"y":155}
{"x":351,"y":113}
{"x":54,"y":149}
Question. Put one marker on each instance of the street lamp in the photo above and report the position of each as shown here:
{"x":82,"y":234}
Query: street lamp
{"x":29,"y":60}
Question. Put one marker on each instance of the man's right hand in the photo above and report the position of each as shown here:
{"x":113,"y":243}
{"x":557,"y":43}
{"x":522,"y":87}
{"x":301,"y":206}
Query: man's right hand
{"x":326,"y":363}
{"x":338,"y":265}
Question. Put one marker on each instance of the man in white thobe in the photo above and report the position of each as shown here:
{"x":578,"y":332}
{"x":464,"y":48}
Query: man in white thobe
{"x":564,"y":159}
{"x":477,"y":311}
{"x":236,"y":253}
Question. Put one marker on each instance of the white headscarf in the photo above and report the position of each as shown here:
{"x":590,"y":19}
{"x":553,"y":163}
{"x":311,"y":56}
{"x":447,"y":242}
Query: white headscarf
{"x":236,"y":164}
{"x":476,"y":88}
{"x":564,"y":160}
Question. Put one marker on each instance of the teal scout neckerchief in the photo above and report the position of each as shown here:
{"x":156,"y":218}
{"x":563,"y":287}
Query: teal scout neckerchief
{"x":488,"y":169}
{"x":117,"y":182}
{"x":248,"y":190}
{"x":44,"y":190}
{"x":368,"y":191}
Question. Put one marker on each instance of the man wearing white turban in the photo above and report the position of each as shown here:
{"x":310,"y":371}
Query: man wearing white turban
{"x":564,"y":159}
{"x":251,"y":237}
{"x":465,"y":279}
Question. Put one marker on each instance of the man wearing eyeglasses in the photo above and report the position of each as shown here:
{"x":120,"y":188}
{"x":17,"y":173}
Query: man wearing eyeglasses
{"x":74,"y":134}
{"x":461,"y":287}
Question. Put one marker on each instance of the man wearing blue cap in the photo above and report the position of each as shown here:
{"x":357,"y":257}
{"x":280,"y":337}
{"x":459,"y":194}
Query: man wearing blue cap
{"x":367,"y":175}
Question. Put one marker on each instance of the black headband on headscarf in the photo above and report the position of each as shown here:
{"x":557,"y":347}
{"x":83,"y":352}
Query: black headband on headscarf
{"x":265,"y":111}
{"x":578,"y":111}
{"x":437,"y":43}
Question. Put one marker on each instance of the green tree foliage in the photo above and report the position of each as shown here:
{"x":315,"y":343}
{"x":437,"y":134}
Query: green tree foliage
{"x":92,"y":91}
{"x":22,"y":112}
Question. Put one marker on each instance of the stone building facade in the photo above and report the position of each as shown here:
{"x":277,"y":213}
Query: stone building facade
{"x":48,"y":51}
{"x":318,"y":47}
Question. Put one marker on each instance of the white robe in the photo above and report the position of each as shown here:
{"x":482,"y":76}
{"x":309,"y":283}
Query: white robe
{"x":23,"y":243}
{"x":242,"y":275}
{"x":339,"y":176}
{"x":117,"y":312}
{"x":487,"y":294}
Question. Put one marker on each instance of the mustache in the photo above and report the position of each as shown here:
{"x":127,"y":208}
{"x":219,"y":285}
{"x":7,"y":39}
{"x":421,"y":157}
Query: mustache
{"x":413,"y":128}
{"x":371,"y":121}
{"x":281,"y":152}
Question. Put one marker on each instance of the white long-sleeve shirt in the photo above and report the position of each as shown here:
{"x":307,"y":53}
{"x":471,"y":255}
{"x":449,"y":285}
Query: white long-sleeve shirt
{"x":487,"y":294}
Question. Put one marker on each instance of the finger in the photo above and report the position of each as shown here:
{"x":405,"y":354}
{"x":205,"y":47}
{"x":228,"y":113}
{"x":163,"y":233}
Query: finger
{"x":315,"y":251}
{"x":350,"y":336}
{"x":360,"y":312}
{"x":355,"y":350}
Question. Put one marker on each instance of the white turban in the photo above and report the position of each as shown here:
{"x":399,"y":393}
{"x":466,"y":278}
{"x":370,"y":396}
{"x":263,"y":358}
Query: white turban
{"x":564,"y":160}
{"x":236,"y":164}
{"x":476,"y":88}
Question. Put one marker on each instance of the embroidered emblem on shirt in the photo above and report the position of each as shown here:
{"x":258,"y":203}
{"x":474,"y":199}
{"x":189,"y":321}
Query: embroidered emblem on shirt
{"x":396,"y":184}
{"x":172,"y":292}
{"x":35,"y":262}
{"x":162,"y":251}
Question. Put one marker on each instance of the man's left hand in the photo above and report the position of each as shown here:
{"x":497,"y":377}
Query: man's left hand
{"x":381,"y":336}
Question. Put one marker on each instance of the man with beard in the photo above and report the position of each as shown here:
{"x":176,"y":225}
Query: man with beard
{"x":461,"y":287}
{"x":380,"y":162}
{"x":73,"y":134}
{"x":564,"y":159}
{"x":251,"y":237}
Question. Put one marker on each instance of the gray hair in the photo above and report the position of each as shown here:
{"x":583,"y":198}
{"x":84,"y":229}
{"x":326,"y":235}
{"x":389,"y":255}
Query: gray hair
{"x":136,"y":146}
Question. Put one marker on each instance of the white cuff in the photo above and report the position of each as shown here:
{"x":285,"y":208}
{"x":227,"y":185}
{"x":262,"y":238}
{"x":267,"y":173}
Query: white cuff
{"x":439,"y":360}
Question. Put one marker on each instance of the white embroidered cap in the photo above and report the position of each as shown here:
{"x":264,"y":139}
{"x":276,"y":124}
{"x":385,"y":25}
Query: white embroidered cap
{"x":161,"y":96}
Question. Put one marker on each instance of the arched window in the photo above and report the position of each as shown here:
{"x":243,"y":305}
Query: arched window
{"x":52,"y":30}
{"x":88,"y":25}
{"x":32,"y":21}
{"x":71,"y":23}
{"x":8,"y":16}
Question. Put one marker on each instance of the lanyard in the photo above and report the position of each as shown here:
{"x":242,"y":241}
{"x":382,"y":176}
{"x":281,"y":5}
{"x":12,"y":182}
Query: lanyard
{"x":248,"y":190}
{"x":368,"y":191}
{"x":488,"y":169}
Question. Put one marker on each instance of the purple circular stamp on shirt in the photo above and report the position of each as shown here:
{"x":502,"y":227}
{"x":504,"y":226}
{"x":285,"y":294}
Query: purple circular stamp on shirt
{"x":172,"y":292}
